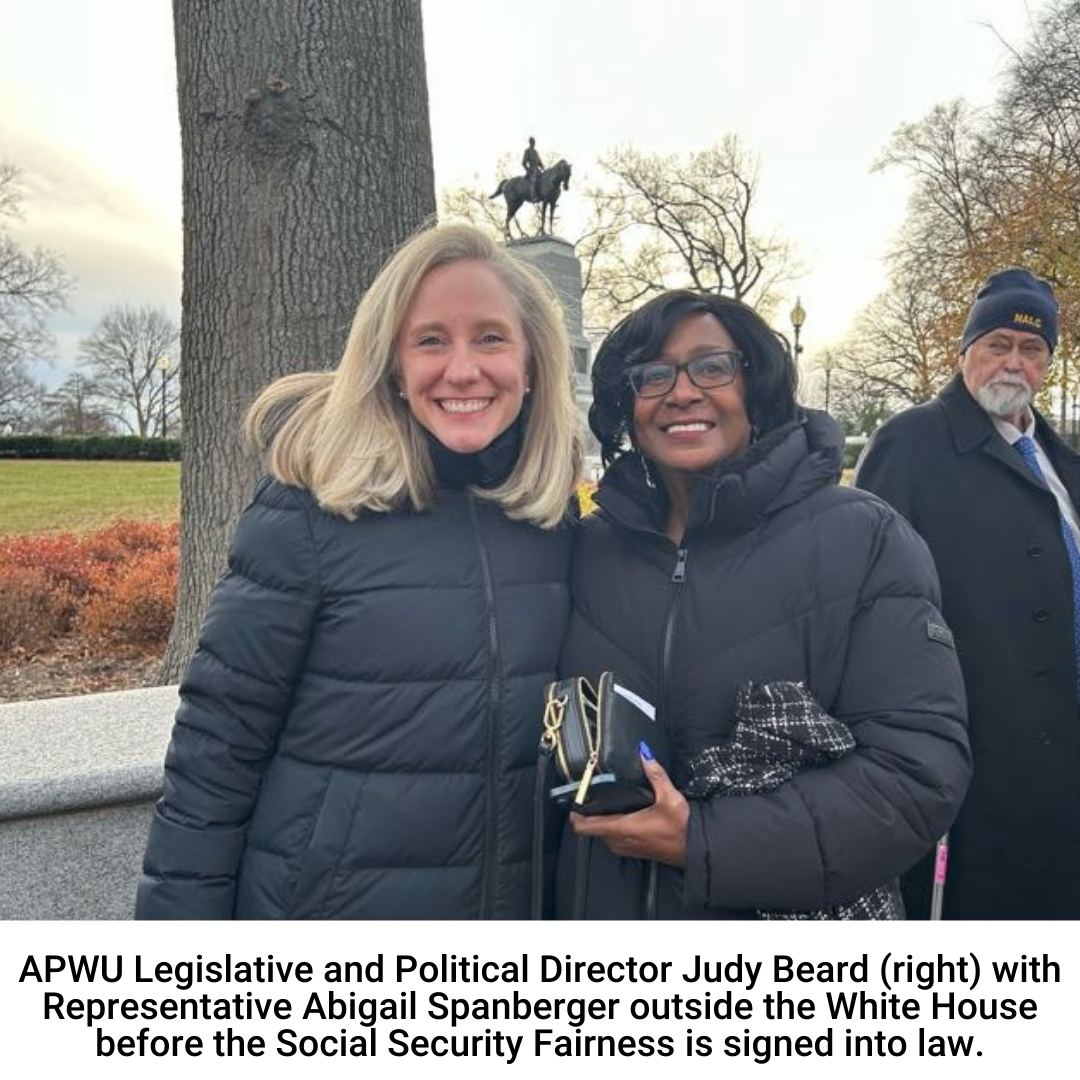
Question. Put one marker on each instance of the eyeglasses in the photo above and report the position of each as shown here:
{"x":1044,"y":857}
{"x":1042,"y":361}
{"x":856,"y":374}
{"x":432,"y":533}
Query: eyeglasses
{"x":707,"y":372}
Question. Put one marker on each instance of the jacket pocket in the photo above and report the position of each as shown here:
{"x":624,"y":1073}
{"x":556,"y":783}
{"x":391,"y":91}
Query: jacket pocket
{"x":327,"y":846}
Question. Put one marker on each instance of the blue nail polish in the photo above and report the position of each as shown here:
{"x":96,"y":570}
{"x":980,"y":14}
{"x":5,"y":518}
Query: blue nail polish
{"x":644,"y":751}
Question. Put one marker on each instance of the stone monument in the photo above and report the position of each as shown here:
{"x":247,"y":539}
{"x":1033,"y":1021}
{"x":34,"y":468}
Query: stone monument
{"x":556,"y":260}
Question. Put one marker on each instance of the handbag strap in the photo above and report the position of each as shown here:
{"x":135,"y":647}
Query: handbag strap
{"x":582,"y":856}
{"x":543,"y":763}
{"x":554,"y":710}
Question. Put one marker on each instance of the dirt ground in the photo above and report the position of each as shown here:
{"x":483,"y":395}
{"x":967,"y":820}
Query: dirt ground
{"x":69,"y":670}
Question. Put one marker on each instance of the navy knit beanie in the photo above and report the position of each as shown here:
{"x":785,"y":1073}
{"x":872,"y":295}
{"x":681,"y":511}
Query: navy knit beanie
{"x":1013,"y":299}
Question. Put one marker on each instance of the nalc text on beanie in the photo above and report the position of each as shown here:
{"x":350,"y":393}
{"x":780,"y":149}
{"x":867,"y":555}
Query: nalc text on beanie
{"x":1013,"y":299}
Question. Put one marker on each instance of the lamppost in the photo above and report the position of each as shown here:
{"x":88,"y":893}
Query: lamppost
{"x":163,"y":367}
{"x":798,"y":317}
{"x":827,"y":364}
{"x":1076,"y":422}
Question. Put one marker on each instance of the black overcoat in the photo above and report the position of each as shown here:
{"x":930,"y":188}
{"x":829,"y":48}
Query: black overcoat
{"x":782,"y":575}
{"x":995,"y":535}
{"x":358,"y":729}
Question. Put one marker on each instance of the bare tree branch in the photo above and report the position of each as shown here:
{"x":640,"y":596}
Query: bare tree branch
{"x":124,"y":355}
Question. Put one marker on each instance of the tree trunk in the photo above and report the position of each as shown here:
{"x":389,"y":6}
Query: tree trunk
{"x":307,"y":160}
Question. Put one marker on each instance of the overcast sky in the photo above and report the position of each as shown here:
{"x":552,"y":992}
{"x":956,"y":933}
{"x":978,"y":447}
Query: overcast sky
{"x":815,"y":87}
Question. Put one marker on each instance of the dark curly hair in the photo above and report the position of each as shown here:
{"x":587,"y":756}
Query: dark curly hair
{"x":770,"y":375}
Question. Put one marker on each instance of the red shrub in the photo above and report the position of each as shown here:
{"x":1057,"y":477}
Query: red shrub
{"x":32,"y":611}
{"x":135,"y":602}
{"x":62,"y":558}
{"x":115,"y":587}
{"x":124,"y":538}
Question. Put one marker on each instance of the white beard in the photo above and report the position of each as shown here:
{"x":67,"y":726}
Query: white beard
{"x":1005,"y":397}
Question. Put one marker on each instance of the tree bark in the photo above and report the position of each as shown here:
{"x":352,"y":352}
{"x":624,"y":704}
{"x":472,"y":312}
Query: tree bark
{"x":307,"y":160}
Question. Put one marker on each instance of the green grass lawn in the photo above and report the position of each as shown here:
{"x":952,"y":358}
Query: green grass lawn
{"x":79,"y":496}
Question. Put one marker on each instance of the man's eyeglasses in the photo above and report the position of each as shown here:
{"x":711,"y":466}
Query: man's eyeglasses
{"x":707,"y":372}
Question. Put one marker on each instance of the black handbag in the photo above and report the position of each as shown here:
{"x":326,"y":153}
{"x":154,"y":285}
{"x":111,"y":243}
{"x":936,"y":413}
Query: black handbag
{"x":593,"y":734}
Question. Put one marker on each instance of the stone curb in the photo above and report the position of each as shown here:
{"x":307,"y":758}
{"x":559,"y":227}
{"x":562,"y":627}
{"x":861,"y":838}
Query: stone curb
{"x":64,"y":754}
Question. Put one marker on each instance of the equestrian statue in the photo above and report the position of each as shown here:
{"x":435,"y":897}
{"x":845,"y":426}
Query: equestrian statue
{"x":538,"y":185}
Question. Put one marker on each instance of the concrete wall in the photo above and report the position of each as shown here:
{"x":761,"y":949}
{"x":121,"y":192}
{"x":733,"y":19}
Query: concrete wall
{"x":78,"y":779}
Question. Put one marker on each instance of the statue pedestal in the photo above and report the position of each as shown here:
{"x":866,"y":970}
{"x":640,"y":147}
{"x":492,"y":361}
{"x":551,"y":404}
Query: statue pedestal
{"x":556,"y":260}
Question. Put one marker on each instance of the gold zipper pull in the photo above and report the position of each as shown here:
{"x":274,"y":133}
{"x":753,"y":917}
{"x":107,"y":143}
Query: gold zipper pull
{"x":586,"y":779}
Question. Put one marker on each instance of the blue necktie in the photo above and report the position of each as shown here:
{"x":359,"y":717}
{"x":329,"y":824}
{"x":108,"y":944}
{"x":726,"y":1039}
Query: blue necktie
{"x":1027,"y":451}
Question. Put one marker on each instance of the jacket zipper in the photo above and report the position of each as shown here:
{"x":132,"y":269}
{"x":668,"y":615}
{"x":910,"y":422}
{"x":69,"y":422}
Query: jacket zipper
{"x":491,"y":777}
{"x":678,"y":577}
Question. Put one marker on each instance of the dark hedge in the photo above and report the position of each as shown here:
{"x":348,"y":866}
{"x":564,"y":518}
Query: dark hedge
{"x":90,"y":447}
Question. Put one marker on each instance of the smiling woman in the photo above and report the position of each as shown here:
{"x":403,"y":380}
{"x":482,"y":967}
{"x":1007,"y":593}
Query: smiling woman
{"x":727,"y":578}
{"x":463,"y":357}
{"x":357,"y":732}
{"x":697,"y":416}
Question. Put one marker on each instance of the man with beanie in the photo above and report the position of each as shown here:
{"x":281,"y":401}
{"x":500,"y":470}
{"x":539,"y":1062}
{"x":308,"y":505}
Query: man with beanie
{"x":994,"y":492}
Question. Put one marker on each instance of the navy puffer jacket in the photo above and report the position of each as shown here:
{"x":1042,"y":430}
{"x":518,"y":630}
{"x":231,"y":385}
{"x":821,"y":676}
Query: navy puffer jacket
{"x":782,"y":575}
{"x":358,"y":729}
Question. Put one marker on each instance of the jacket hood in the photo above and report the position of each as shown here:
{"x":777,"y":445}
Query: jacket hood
{"x":782,"y":467}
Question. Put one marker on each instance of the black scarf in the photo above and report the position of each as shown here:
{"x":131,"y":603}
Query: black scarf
{"x":486,"y":468}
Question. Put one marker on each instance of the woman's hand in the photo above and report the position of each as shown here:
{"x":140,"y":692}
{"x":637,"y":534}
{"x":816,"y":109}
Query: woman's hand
{"x":658,"y":832}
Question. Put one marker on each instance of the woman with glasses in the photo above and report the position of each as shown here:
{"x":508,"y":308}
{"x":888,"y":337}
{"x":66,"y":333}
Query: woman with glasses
{"x":726,"y":562}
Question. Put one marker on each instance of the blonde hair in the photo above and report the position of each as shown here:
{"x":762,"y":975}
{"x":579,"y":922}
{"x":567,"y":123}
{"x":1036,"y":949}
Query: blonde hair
{"x":350,"y":439}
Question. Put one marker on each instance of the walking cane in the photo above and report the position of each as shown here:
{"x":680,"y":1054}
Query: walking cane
{"x":941,"y":866}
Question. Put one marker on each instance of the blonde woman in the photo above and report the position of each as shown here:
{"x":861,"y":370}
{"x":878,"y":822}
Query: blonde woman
{"x":358,"y":728}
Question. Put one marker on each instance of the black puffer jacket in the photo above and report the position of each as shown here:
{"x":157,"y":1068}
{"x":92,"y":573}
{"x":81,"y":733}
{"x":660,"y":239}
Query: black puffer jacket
{"x":358,"y":728}
{"x":782,"y":576}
